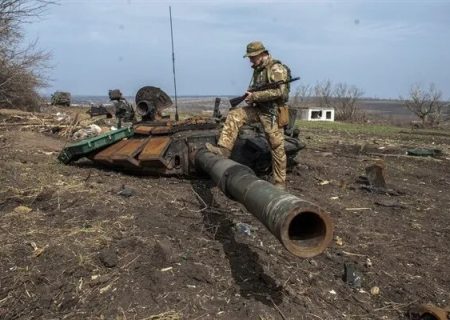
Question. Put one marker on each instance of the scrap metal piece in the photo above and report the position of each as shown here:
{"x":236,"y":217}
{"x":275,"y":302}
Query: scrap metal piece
{"x":424,"y":152}
{"x":352,"y":277}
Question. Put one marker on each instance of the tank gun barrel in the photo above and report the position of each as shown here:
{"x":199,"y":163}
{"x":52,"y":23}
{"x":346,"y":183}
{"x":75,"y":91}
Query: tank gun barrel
{"x":302,"y":227}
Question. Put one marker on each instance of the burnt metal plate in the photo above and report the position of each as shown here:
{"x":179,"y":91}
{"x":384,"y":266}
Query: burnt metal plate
{"x":105,"y":155}
{"x":154,"y":149}
{"x":126,"y":155}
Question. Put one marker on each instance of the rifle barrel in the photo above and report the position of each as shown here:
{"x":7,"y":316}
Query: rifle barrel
{"x":235,"y":101}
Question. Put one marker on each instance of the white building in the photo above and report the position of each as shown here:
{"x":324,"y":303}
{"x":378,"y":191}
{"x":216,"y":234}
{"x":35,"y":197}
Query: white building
{"x":317,"y":114}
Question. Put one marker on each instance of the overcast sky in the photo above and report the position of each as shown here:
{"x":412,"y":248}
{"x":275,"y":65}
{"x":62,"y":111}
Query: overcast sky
{"x":383,"y":47}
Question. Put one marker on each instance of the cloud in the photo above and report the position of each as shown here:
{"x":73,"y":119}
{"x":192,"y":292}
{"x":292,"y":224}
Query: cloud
{"x":100,"y":44}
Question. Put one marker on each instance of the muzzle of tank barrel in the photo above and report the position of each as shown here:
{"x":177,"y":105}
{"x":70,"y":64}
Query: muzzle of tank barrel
{"x":145,"y":108}
{"x":302,"y":227}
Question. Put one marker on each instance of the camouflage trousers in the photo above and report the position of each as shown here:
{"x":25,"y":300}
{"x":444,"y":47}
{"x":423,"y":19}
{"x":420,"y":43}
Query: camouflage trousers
{"x":238,"y":117}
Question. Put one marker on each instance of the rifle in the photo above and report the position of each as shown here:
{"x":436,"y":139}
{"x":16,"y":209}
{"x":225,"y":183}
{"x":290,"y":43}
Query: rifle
{"x":273,"y":85}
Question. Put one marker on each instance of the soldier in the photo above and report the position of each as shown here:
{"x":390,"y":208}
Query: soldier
{"x":263,"y":106}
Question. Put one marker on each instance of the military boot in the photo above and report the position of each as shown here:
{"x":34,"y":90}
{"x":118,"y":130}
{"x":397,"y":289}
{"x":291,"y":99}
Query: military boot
{"x":221,"y":151}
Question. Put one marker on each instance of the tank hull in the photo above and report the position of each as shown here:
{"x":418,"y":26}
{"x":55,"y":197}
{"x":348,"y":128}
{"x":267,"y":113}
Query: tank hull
{"x":170,"y":153}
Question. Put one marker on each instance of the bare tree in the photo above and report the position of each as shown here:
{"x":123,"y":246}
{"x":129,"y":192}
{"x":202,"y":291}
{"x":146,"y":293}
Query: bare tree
{"x":346,"y":102}
{"x":323,"y":94}
{"x":426,"y":104}
{"x":21,"y":66}
{"x":302,"y":96}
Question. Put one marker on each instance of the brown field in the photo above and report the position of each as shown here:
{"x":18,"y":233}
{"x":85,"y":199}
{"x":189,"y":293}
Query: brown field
{"x":86,"y":252}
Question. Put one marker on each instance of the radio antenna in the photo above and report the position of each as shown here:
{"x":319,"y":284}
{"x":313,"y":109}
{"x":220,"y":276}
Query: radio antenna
{"x":173,"y":66}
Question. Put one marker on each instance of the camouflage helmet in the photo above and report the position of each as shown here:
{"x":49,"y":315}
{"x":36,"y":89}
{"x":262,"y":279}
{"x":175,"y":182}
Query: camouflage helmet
{"x":254,"y":48}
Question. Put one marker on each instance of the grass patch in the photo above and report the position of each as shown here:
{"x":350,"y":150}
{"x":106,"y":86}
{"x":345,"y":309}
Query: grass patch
{"x":354,"y":128}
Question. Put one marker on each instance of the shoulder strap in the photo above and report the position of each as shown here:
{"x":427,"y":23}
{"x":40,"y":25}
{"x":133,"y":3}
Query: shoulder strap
{"x":274,"y":62}
{"x":289,"y":76}
{"x":269,"y":67}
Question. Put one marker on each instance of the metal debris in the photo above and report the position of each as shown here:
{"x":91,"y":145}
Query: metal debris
{"x":424,"y":152}
{"x":352,"y":277}
{"x":126,"y":192}
{"x":244,"y":228}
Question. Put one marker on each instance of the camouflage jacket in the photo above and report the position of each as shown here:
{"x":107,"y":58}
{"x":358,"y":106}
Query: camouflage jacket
{"x":270,"y":71}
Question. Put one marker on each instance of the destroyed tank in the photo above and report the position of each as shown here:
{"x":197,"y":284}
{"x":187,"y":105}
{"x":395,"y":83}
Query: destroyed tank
{"x":60,"y":98}
{"x":158,"y":145}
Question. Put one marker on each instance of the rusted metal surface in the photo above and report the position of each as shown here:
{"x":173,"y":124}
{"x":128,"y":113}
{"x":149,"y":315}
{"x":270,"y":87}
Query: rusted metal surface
{"x":125,"y":156}
{"x":171,"y":127}
{"x":429,"y":311}
{"x":105,"y":156}
{"x":150,"y":101}
{"x":154,"y":96}
{"x":302,"y":227}
{"x":143,"y":129}
{"x":154,"y":149}
{"x":162,"y":130}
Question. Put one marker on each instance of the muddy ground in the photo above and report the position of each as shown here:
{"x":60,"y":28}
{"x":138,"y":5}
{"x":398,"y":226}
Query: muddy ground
{"x":171,"y":249}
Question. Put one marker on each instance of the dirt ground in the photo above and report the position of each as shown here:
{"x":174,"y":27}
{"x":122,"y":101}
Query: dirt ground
{"x":86,"y":251}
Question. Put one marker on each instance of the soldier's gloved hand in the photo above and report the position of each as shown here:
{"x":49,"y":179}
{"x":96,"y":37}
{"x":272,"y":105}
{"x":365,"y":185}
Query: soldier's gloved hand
{"x":249,"y":97}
